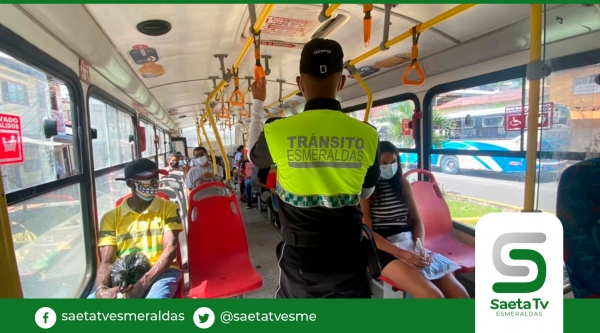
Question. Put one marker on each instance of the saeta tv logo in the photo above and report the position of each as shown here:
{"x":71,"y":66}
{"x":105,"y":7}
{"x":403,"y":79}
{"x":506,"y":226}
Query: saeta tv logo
{"x":519,"y":273}
{"x":519,"y":254}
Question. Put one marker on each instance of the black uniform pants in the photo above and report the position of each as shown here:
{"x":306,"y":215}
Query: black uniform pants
{"x":296,"y":282}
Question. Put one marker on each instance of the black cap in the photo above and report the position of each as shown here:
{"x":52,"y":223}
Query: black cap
{"x":142,"y":168}
{"x":321,"y":57}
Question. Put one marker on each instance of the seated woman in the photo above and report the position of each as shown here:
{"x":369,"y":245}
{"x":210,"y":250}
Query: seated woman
{"x":394,"y":219}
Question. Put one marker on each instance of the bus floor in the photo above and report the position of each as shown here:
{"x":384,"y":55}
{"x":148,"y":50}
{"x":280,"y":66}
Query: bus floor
{"x":263,"y":238}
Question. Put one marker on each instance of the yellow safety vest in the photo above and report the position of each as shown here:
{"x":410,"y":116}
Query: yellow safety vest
{"x":322,"y":157}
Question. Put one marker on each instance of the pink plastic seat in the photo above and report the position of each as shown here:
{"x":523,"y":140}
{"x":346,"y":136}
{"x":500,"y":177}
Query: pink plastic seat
{"x":439,"y":229}
{"x":180,"y":292}
{"x":218,"y":259}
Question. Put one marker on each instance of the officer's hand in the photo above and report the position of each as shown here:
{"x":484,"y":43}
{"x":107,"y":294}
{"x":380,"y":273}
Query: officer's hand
{"x":259,"y":89}
{"x":414,"y":259}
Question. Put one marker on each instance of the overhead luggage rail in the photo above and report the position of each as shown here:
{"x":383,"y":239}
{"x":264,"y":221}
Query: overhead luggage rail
{"x":255,"y":31}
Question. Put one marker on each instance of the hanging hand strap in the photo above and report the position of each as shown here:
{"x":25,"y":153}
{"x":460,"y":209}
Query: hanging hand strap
{"x":414,"y":64}
{"x":224,"y":112}
{"x":259,"y":71}
{"x":237,"y":98}
{"x":367,"y":23}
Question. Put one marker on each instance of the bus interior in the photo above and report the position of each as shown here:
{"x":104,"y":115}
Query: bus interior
{"x":98,"y":85}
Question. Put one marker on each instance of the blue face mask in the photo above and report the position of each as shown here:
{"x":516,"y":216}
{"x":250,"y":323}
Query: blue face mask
{"x":388,"y":170}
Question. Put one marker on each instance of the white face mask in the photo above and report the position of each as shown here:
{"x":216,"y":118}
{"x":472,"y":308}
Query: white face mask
{"x":202,"y":160}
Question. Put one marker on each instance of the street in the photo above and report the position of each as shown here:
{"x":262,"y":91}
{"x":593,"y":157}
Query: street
{"x":498,"y":188}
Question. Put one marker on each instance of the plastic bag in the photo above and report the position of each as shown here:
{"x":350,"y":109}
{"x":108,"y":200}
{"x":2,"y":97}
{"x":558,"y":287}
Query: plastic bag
{"x":128,"y":269}
{"x":439,"y":266}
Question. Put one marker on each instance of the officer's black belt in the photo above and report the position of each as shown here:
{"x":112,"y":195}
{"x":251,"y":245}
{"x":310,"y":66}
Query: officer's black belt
{"x":322,"y":240}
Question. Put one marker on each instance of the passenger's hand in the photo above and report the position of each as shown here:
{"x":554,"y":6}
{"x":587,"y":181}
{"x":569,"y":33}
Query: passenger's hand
{"x":134,"y":291}
{"x":107,"y":292}
{"x":259,"y":89}
{"x":414,"y":259}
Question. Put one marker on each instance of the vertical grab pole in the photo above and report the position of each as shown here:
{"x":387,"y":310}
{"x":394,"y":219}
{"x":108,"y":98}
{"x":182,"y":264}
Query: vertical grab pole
{"x":535,"y":55}
{"x":10,"y":283}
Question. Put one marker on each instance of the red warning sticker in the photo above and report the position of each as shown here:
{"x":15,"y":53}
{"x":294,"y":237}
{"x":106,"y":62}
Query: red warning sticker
{"x":11,"y":135}
{"x":288,"y":27}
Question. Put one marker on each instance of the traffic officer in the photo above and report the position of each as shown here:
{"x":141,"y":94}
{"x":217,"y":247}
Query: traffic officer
{"x":326,"y":161}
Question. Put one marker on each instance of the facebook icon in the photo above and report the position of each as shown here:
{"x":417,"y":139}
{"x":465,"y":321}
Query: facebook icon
{"x":45,"y":317}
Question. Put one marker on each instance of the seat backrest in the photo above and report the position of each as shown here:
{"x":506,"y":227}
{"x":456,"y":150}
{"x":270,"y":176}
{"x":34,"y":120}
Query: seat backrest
{"x":175,"y":176}
{"x":216,"y":227}
{"x":432,"y":206}
{"x":578,"y":209}
{"x":255,"y":187}
{"x":177,"y":186}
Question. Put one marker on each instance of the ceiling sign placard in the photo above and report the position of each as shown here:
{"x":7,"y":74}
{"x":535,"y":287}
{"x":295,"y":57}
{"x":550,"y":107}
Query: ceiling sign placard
{"x":11,"y":135}
{"x":84,"y":71}
{"x":288,"y":26}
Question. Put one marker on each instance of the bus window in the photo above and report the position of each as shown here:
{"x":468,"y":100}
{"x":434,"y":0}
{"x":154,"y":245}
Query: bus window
{"x":112,"y":148}
{"x":150,"y":146}
{"x":474,"y":120}
{"x":35,"y":97}
{"x":575,"y":127}
{"x":47,"y":230}
{"x":114,"y":127}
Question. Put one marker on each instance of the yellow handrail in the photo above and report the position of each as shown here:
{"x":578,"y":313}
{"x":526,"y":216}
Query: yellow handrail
{"x":210,"y":149}
{"x":367,"y":90}
{"x":293,"y":93}
{"x":259,"y":22}
{"x":330,"y":10}
{"x":535,"y":54}
{"x":198,"y":135}
{"x":10,"y":283}
{"x":424,"y":26}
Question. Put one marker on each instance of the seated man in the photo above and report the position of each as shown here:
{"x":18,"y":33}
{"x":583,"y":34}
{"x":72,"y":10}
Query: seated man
{"x":142,"y":223}
{"x":203,"y":173}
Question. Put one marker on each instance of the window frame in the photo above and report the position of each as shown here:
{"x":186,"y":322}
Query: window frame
{"x":28,"y":53}
{"x":104,"y":97}
{"x":145,"y":119}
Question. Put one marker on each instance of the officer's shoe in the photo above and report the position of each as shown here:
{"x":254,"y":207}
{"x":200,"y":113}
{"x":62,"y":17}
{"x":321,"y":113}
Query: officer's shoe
{"x":249,"y":206}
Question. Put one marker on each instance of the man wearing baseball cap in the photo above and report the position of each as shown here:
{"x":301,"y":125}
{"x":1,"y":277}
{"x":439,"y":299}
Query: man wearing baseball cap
{"x":326,"y":162}
{"x":142,"y":223}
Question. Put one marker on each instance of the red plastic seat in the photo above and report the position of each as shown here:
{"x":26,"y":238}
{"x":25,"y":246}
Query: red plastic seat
{"x":180,"y":292}
{"x":439,"y":229}
{"x":218,"y":259}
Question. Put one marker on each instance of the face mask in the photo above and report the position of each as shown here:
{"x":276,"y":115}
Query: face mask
{"x":388,"y":170}
{"x":174,"y":164}
{"x":146,"y":189}
{"x":202,"y":160}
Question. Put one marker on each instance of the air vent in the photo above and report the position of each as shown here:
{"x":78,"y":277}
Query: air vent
{"x":154,"y":27}
{"x":292,"y":26}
